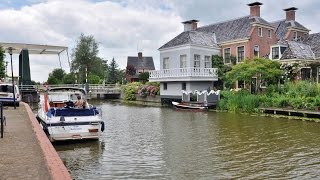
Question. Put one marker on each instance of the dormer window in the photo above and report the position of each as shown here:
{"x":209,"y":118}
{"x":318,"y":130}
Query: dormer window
{"x":260,"y":31}
{"x":277,"y":51}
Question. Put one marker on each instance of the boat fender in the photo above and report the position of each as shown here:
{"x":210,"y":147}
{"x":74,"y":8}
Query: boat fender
{"x":102,"y":126}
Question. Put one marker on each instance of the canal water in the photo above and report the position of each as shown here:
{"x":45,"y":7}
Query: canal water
{"x":162,"y":143}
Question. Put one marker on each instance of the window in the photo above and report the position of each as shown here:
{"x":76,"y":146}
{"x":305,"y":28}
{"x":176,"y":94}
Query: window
{"x":275,"y":53}
{"x":260,"y":31}
{"x":269,"y":33}
{"x":305,"y":73}
{"x":207,"y":62}
{"x":241,"y":84}
{"x":183,"y":61}
{"x":256,"y":51}
{"x":295,"y":35}
{"x":165,"y":86}
{"x":240,"y":53}
{"x":227,"y":56}
{"x":165,"y":63}
{"x":196,"y":60}
{"x":282,"y":49}
{"x":184,"y":86}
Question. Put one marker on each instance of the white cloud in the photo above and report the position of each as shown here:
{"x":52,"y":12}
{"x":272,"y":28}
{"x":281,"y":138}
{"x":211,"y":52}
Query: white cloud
{"x":117,"y":28}
{"x":120,"y":25}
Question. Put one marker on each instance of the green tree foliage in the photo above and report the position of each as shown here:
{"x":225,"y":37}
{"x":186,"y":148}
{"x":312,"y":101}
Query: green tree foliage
{"x":68,"y":78}
{"x":217,"y":62}
{"x":2,"y":63}
{"x":85,"y":55}
{"x":56,"y":76}
{"x":53,"y":80}
{"x":93,"y":79}
{"x":263,"y":69}
{"x":113,"y":72}
{"x":144,"y":77}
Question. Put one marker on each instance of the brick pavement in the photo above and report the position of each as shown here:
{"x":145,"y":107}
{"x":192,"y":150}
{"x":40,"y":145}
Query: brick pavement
{"x":25,"y":151}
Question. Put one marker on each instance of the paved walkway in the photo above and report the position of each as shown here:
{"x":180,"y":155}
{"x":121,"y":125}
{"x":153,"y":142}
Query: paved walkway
{"x":25,"y":153}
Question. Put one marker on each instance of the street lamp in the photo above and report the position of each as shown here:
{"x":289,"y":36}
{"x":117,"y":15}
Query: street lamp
{"x":13,"y":88}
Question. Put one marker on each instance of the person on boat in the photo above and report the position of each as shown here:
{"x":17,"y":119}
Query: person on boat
{"x":79,"y":103}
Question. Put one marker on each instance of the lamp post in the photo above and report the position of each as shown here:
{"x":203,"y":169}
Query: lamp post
{"x":13,"y":88}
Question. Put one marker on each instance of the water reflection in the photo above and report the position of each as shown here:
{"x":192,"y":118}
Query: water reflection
{"x":161,"y":143}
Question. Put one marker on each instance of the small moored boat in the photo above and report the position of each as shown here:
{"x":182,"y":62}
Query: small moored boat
{"x":61,"y":120}
{"x":189,"y":106}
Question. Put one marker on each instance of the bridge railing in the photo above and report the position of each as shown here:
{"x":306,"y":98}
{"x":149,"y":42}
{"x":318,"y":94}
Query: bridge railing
{"x":92,"y":87}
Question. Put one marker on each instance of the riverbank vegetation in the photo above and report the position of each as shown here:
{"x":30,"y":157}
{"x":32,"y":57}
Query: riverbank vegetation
{"x":281,"y":88}
{"x":297,"y":95}
{"x":130,"y":90}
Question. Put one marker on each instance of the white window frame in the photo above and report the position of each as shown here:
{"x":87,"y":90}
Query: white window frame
{"x":244,"y":85}
{"x":254,"y":48}
{"x":183,"y":61}
{"x":243,"y":54}
{"x":269,"y":33}
{"x":207,"y":62}
{"x":275,"y":51}
{"x":260,"y":31}
{"x":165,"y":62}
{"x":224,"y":55}
{"x":295,"y":35}
{"x":196,"y":61}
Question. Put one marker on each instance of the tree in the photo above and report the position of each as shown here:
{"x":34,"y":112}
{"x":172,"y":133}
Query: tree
{"x":85,"y":56}
{"x":52,"y":80}
{"x":112,"y":73}
{"x":56,"y":76}
{"x":68,"y":78}
{"x":144,"y":77}
{"x":130,"y":70}
{"x":93,"y":79}
{"x":2,"y":63}
{"x":217,"y":62}
{"x":264,"y":69}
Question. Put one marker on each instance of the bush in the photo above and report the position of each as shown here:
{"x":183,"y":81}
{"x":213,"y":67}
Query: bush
{"x":130,"y":91}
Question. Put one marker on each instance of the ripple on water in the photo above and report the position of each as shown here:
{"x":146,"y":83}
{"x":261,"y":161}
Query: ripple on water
{"x":160,"y":143}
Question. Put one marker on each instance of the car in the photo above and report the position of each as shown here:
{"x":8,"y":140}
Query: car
{"x":6,"y":94}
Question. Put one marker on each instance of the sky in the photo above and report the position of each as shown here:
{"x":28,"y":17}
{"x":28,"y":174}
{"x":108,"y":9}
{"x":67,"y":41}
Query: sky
{"x":123,"y":27}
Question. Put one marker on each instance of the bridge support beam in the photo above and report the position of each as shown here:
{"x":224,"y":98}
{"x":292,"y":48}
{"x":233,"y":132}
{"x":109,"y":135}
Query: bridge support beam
{"x":24,"y":68}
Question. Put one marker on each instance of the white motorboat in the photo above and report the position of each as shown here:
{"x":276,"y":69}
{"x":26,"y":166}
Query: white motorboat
{"x":61,"y":120}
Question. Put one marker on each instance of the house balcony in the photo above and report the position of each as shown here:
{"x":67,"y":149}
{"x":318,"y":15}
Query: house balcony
{"x":184,"y":74}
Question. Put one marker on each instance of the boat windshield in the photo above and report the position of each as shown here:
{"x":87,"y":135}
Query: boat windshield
{"x":6,"y":88}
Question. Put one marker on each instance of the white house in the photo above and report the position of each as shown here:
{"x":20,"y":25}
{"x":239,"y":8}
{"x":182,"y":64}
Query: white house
{"x":185,"y":62}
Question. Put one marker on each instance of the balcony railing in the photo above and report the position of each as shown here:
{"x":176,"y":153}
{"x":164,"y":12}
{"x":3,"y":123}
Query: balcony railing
{"x":180,"y":73}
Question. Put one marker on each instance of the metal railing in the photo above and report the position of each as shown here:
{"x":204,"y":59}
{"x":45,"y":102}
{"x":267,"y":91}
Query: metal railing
{"x":93,"y":88}
{"x":184,"y":72}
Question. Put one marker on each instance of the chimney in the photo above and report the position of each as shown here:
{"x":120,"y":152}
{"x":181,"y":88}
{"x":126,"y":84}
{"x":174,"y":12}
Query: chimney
{"x":190,"y":25}
{"x":139,"y":55}
{"x":255,"y":9}
{"x":291,"y":13}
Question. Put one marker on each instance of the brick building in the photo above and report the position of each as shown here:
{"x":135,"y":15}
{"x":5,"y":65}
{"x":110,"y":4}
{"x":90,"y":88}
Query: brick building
{"x":238,"y":39}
